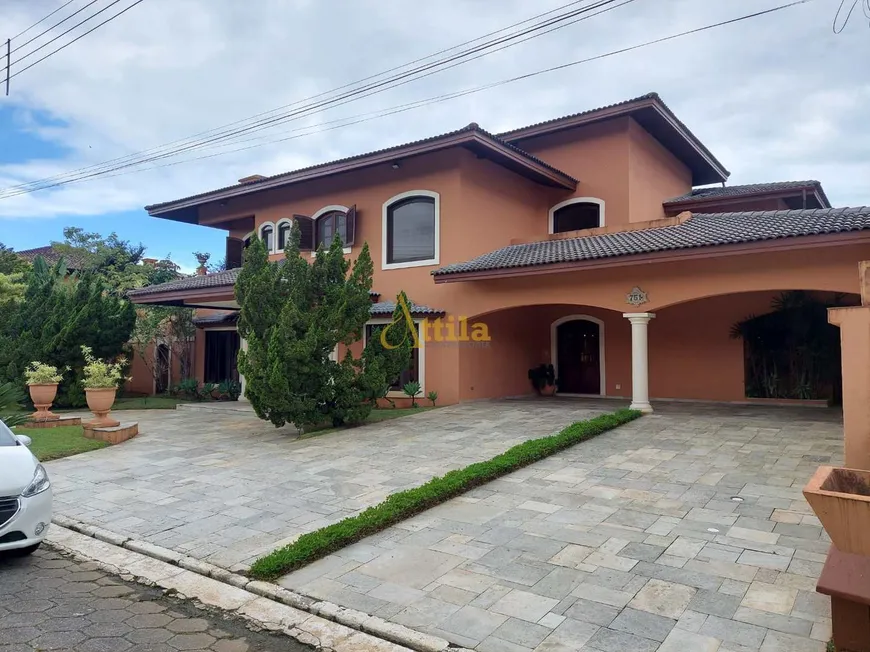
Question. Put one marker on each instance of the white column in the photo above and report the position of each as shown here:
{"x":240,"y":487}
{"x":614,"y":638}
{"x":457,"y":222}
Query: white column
{"x":639,"y":360}
{"x":243,"y":343}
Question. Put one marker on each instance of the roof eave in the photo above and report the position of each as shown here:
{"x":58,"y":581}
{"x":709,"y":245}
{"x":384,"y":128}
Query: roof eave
{"x":503,"y":153}
{"x":716,"y":170}
{"x":689,"y":203}
{"x":790,"y":243}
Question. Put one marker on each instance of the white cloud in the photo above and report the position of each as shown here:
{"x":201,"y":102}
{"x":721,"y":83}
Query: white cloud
{"x":775,"y":98}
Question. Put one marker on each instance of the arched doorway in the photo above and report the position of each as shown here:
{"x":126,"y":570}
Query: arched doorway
{"x":578,"y":354}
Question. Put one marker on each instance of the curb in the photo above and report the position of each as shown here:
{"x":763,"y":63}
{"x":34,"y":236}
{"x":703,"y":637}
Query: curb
{"x":350,"y":618}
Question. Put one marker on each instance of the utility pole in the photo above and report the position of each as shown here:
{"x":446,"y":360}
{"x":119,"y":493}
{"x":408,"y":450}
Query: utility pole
{"x":8,"y":60}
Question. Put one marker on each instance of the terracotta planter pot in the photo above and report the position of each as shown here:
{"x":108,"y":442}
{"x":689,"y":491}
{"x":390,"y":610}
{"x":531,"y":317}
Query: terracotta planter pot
{"x":100,"y":401}
{"x":548,"y":390}
{"x":841,"y":499}
{"x":42,"y":397}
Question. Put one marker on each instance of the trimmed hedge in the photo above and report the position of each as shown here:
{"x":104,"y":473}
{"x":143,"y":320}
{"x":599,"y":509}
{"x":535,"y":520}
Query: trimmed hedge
{"x":404,"y":504}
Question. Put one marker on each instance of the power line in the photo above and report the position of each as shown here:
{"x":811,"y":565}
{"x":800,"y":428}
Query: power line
{"x":318,"y":95}
{"x":449,"y":96}
{"x":28,"y":42}
{"x":365,"y":91}
{"x":79,"y":24}
{"x":46,"y":17}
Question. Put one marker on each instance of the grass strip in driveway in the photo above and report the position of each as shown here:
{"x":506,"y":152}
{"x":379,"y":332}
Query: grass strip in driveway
{"x":62,"y":441}
{"x":404,"y":504}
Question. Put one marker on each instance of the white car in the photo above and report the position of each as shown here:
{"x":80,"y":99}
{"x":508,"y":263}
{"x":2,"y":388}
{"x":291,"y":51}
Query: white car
{"x":25,"y":495}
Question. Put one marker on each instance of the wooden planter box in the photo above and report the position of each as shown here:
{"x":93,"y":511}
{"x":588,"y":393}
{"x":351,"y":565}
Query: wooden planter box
{"x":840,"y":497}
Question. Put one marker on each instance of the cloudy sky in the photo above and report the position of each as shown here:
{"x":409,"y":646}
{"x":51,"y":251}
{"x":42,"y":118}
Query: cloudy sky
{"x":775,"y":98}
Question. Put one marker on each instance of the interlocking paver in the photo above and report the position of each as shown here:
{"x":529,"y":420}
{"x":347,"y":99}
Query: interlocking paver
{"x":78,"y":623}
{"x":596,"y":531}
{"x":634,"y":550}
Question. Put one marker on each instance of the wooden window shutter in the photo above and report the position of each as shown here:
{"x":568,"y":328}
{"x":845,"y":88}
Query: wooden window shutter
{"x":306,"y":232}
{"x":351,"y":226}
{"x":235,"y":247}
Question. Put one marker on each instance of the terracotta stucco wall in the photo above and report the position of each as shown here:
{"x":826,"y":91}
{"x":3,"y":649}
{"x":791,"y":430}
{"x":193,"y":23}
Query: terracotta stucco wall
{"x":521,"y":339}
{"x":598,"y":157}
{"x":655,"y":175}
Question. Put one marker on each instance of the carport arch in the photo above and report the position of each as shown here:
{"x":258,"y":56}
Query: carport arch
{"x":554,"y":346}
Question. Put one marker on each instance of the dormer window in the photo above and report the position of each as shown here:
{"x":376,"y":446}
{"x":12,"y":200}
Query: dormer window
{"x":577,"y":214}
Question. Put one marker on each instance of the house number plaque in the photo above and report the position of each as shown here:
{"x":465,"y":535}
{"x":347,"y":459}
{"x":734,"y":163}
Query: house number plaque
{"x":636,"y":297}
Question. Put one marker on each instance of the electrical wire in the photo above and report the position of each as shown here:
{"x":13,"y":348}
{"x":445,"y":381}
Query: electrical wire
{"x":46,"y":17}
{"x":865,"y":6}
{"x":43,"y":33}
{"x":373,"y":88}
{"x":67,"y":44}
{"x":318,"y":95}
{"x":352,"y":120}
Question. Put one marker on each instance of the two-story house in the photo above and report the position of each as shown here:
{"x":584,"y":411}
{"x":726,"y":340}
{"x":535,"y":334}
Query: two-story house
{"x":583,"y":241}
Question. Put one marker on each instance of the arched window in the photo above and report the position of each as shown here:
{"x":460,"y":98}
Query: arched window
{"x":577,"y":214}
{"x":411,"y":230}
{"x":330,"y":225}
{"x":267,"y":235}
{"x":284,"y":233}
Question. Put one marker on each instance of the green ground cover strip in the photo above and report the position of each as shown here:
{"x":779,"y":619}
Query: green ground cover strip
{"x":404,"y":504}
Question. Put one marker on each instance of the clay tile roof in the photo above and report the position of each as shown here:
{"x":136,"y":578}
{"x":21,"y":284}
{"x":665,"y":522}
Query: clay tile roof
{"x":52,"y":255}
{"x":702,"y":230}
{"x":225,"y":279}
{"x":719,"y":192}
{"x":386,"y":308}
{"x":216,"y":280}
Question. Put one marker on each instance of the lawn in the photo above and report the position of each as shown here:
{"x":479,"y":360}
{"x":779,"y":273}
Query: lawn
{"x":124,"y":403}
{"x":383,"y":414}
{"x":63,"y":441}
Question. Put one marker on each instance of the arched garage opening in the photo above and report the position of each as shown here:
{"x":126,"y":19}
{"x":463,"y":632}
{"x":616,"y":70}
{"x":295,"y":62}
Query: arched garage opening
{"x":589,"y":348}
{"x":772,"y":345}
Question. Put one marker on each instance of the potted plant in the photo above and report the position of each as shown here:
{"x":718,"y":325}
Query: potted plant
{"x":42,"y":380}
{"x":840,"y":497}
{"x":543,"y":379}
{"x":101,"y":380}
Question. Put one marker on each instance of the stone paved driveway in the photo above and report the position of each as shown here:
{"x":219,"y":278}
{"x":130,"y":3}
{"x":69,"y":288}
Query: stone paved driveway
{"x":684,"y":531}
{"x":226,"y":487}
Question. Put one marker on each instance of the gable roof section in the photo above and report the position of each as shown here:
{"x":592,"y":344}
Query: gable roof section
{"x":52,"y":255}
{"x":751,"y":190}
{"x":701,"y":230}
{"x":472,"y":137}
{"x":653,"y":115}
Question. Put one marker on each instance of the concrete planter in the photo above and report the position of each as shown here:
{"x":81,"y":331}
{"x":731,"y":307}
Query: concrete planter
{"x":840,"y":497}
{"x":42,"y":396}
{"x":100,"y":402}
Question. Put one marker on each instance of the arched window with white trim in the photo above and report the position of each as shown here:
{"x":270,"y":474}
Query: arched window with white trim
{"x":577,"y":214}
{"x":411,"y":229}
{"x":284,"y":227}
{"x":267,"y":235}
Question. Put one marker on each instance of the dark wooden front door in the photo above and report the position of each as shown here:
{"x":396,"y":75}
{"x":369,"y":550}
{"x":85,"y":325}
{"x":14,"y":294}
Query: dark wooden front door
{"x":579,"y":357}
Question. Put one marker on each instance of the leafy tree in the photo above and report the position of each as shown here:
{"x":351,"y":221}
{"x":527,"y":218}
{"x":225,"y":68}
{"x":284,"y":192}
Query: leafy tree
{"x":119,"y":263}
{"x":170,"y":325}
{"x":293,"y":316}
{"x":12,"y":287}
{"x":10,"y":262}
{"x":58,"y":314}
